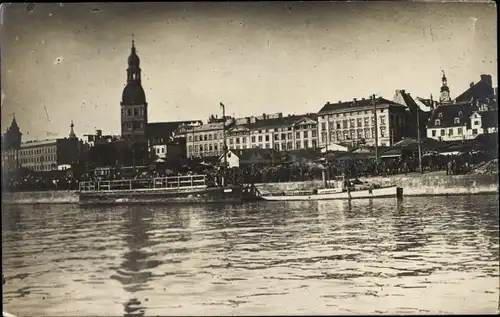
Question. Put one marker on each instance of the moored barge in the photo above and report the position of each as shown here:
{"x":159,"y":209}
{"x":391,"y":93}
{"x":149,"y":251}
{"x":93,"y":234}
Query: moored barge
{"x":191,"y":189}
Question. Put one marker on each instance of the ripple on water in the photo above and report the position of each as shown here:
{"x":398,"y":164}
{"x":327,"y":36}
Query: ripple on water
{"x":364,"y":257}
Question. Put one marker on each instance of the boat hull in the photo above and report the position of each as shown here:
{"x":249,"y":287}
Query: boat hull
{"x":383,"y":192}
{"x":164,"y":196}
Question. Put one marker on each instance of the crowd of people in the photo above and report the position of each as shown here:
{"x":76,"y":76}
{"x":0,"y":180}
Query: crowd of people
{"x":304,"y":170}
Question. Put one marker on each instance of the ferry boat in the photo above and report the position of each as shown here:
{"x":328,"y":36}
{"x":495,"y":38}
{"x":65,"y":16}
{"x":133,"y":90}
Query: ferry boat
{"x":162,"y":190}
{"x":337,"y":190}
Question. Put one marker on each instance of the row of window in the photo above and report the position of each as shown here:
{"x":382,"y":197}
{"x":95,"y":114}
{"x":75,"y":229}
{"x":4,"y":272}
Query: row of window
{"x":41,"y":168}
{"x":36,"y":151}
{"x":135,"y":112}
{"x":38,"y":159}
{"x":366,"y":133}
{"x":133,"y":125}
{"x":353,"y":123}
{"x":460,"y":131}
{"x":203,"y":148}
{"x":215,"y":136}
{"x":349,"y":114}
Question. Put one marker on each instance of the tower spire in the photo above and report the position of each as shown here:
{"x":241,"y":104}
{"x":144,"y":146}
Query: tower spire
{"x":72,"y":134}
{"x":445,"y":90}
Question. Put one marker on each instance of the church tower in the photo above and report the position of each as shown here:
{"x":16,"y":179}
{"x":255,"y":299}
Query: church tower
{"x":12,"y":138}
{"x":134,"y":108}
{"x":444,"y":97}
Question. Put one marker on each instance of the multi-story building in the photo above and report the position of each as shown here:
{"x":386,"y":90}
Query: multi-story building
{"x":472,"y":113}
{"x":163,"y":136}
{"x":353,"y":122}
{"x":207,"y":139}
{"x":48,"y":155}
{"x":268,"y":131}
{"x":461,"y":121}
{"x":282,"y":133}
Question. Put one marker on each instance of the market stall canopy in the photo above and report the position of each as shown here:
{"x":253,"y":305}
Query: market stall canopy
{"x":334,"y":148}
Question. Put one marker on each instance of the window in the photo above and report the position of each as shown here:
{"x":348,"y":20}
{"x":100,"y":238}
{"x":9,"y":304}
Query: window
{"x":437,"y":122}
{"x":283,"y":136}
{"x":253,"y":139}
{"x":440,"y":115}
{"x":205,"y":137}
{"x":460,"y":131}
{"x":210,"y":137}
{"x":360,"y":122}
{"x":351,"y":123}
{"x":460,"y":113}
{"x":267,"y":146}
{"x":306,"y":134}
{"x":215,"y":136}
{"x":382,"y":132}
{"x":338,"y":125}
{"x":433,"y":132}
{"x":297,"y":144}
{"x":476,"y":122}
{"x":314,"y":144}
{"x":450,"y":132}
{"x":260,"y":138}
{"x":474,"y":131}
{"x":456,"y":121}
{"x":382,"y":120}
{"x":267,"y":137}
{"x":442,"y":132}
{"x":367,"y":121}
{"x":276,"y":137}
{"x":323,"y":126}
{"x":313,"y":132}
{"x":277,"y":146}
{"x":344,"y":124}
{"x":290,"y":135}
{"x":231,"y":141}
{"x":297,"y":135}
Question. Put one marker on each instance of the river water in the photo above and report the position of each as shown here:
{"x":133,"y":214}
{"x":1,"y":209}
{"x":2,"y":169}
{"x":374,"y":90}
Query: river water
{"x":421,"y":255}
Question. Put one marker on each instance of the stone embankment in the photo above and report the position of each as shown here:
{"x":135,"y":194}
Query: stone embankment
{"x":413,"y":185}
{"x":41,"y":197}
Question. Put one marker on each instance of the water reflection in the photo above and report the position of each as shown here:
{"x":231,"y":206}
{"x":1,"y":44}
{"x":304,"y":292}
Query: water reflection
{"x":336,"y":257}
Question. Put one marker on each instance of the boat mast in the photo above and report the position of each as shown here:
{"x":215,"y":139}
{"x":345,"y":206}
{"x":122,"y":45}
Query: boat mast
{"x":419,"y":142}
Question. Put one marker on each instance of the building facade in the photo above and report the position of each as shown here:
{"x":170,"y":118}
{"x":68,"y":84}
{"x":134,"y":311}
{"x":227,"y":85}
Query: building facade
{"x":461,"y":121}
{"x":49,"y":155}
{"x":472,"y":113}
{"x":134,"y":108}
{"x":353,"y":122}
{"x":268,"y":131}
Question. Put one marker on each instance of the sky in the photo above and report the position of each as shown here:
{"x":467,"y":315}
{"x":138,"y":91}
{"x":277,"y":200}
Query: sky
{"x":63,"y":62}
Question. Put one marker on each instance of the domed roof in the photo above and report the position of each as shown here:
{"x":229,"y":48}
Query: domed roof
{"x":133,"y":94}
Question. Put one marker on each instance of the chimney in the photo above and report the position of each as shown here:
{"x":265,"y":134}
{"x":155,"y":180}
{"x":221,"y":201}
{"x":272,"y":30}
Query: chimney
{"x":403,"y":91}
{"x":354,"y":100}
{"x":264,"y":116}
{"x":328,"y":102}
{"x":248,"y":120}
{"x":340,"y":101}
{"x":363,"y":99}
{"x":486,"y":79}
{"x":280,"y":115}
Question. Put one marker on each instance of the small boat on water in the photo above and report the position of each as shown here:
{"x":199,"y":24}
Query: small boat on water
{"x":338,"y":190}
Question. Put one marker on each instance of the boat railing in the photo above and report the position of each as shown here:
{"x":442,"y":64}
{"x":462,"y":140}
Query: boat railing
{"x":173,"y":182}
